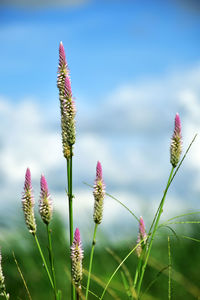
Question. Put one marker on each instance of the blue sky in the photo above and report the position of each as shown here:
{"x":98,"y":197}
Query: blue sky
{"x":107,"y":43}
{"x":133,"y":66}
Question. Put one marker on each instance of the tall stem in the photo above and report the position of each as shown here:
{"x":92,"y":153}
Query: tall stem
{"x":91,"y":259}
{"x":51,"y":259}
{"x":138,"y":268}
{"x":154,"y":231}
{"x":44,"y":261}
{"x":70,"y":198}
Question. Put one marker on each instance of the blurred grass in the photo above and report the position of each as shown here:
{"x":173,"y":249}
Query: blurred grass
{"x":185,"y":272}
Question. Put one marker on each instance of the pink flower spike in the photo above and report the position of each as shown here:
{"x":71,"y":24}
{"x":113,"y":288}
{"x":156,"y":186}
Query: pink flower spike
{"x":176,"y":142}
{"x":62,"y":57}
{"x":27,"y":183}
{"x":45,"y":203}
{"x":99,"y":171}
{"x":77,"y":237}
{"x":77,"y":257}
{"x":99,"y":194}
{"x":63,"y":70}
{"x":177,"y":128}
{"x":142,"y":230}
{"x":43,"y":184}
{"x":141,"y":236}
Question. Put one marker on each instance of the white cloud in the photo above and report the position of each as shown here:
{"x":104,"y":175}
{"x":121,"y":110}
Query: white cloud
{"x":135,"y":164}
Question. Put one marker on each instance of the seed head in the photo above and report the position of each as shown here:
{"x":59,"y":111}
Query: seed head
{"x":28,"y":203}
{"x":176,"y":142}
{"x":77,"y":257}
{"x":99,"y":194}
{"x":141,"y":236}
{"x":45,"y":203}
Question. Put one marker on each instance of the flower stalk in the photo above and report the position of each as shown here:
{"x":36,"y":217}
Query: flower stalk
{"x":140,"y":250}
{"x":44,"y":261}
{"x":28,"y":208}
{"x":154,"y":232}
{"x":99,"y":195}
{"x":46,"y":212}
{"x":175,"y":152}
{"x":68,"y":112}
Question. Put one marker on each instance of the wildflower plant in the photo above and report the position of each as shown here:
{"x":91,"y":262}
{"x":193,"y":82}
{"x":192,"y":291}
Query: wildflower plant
{"x":68,"y":112}
{"x":145,"y":238}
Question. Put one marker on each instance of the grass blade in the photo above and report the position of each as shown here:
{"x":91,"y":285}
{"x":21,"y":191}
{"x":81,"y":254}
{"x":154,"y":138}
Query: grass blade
{"x":190,"y":238}
{"x":119,"y":266}
{"x":22,"y":277}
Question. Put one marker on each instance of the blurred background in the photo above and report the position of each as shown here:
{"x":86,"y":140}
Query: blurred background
{"x":133,"y":65}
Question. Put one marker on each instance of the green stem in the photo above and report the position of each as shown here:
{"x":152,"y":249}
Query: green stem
{"x":138,"y":269}
{"x":44,"y":261}
{"x":91,"y":259}
{"x":51,"y":259}
{"x":154,"y":231}
{"x":70,"y":197}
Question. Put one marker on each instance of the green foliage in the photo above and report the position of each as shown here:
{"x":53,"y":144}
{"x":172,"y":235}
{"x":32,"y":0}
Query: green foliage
{"x":184,"y":270}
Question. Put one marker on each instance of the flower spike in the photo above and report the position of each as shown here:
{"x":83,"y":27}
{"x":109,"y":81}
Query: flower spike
{"x":45,"y":203}
{"x":28,"y":203}
{"x":77,"y":257}
{"x":176,"y":142}
{"x":62,"y":67}
{"x":99,"y":194}
{"x":141,"y":236}
{"x":67,"y":105}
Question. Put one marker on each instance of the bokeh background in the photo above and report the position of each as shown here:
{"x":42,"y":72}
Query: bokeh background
{"x":133,"y":65}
